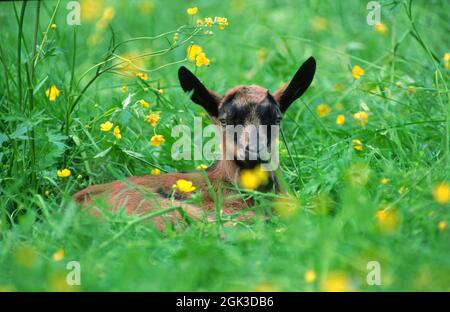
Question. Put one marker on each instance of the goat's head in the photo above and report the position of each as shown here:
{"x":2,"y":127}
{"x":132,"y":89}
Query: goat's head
{"x":248,"y":107}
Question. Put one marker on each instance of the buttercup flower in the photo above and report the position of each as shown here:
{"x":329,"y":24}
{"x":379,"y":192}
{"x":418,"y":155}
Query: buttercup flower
{"x":199,"y":22}
{"x":184,"y":186}
{"x":153,"y":119}
{"x":157,"y":140}
{"x":124,"y":89}
{"x":221,"y":21}
{"x":142,"y":76}
{"x":322,"y":110}
{"x":447,"y":60}
{"x":340,"y":120}
{"x":209,"y":21}
{"x":380,"y":28}
{"x":58,"y":255}
{"x":201,"y":60}
{"x":252,"y":179}
{"x":192,"y":11}
{"x":117,"y":133}
{"x":310,"y":276}
{"x":387,"y":220}
{"x":357,"y":145}
{"x":384,"y":181}
{"x":357,"y":72}
{"x":155,"y":171}
{"x":106,"y":126}
{"x":144,"y":103}
{"x":64,"y":173}
{"x":202,"y":167}
{"x":53,"y":26}
{"x":192,"y":51}
{"x":361,"y":118}
{"x":336,"y":282}
{"x":442,"y":226}
{"x":52,"y":93}
{"x":441,"y":193}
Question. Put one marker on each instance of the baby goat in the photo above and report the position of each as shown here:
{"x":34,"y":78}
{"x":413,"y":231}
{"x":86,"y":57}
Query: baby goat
{"x":242,"y":105}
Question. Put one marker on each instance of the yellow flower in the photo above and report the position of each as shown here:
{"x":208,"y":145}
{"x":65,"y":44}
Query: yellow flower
{"x":153,"y":118}
{"x":442,"y":226}
{"x":157,"y":140}
{"x":199,"y":22}
{"x":58,"y":255}
{"x":447,"y":60}
{"x":47,"y":193}
{"x":411,"y":89}
{"x":192,"y":51}
{"x":336,"y":282}
{"x":90,"y":9}
{"x":192,"y":11}
{"x":387,"y":220}
{"x":323,"y":109}
{"x":357,"y":72}
{"x":184,"y":186}
{"x":52,"y":93}
{"x":64,"y":173}
{"x":155,"y":171}
{"x":252,"y":179}
{"x":286,"y":206}
{"x":106,"y":126}
{"x":340,"y":120}
{"x":380,"y":28}
{"x":53,"y":26}
{"x":310,"y":276}
{"x":117,"y":133}
{"x":441,"y":193}
{"x":201,"y":167}
{"x":319,"y":23}
{"x":124,"y":89}
{"x":144,"y":103}
{"x":142,"y":76}
{"x":384,"y":181}
{"x":201,"y":60}
{"x":146,"y":7}
{"x":361,"y":118}
{"x":160,"y":91}
{"x":357,"y":145}
{"x":221,"y":21}
{"x":209,"y":21}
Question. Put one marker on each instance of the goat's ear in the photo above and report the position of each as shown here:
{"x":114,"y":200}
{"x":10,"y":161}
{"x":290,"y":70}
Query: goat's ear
{"x":287,"y":94}
{"x":200,"y":95}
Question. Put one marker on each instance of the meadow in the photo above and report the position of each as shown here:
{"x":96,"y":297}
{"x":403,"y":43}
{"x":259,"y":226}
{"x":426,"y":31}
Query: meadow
{"x":364,"y":153}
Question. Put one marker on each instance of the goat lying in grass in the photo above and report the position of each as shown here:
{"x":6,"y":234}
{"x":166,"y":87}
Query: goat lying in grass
{"x":242,"y":105}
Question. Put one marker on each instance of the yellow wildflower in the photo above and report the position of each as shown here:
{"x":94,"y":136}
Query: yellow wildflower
{"x":157,"y":140}
{"x":153,"y":118}
{"x":380,"y":28}
{"x":340,"y":120}
{"x":124,"y":89}
{"x":117,"y":133}
{"x":411,"y":89}
{"x":160,"y":91}
{"x":90,"y":9}
{"x":201,"y":60}
{"x":447,"y":60}
{"x":201,"y":167}
{"x":442,"y":226}
{"x":53,"y":26}
{"x":252,"y":179}
{"x":384,"y":181}
{"x":106,"y":126}
{"x":441,"y":193}
{"x":387,"y":220}
{"x":52,"y":93}
{"x":58,"y":255}
{"x":310,"y":276}
{"x":221,"y":21}
{"x":323,"y":109}
{"x":155,"y":171}
{"x":199,"y":22}
{"x":357,"y":145}
{"x":185,"y":186}
{"x":146,"y":7}
{"x":64,"y":173}
{"x":357,"y":72}
{"x":209,"y":21}
{"x":319,"y":23}
{"x":286,"y":206}
{"x":47,"y":193}
{"x":144,"y":103}
{"x":192,"y":51}
{"x":361,"y":118}
{"x":142,"y":76}
{"x":336,"y":282}
{"x":192,"y":11}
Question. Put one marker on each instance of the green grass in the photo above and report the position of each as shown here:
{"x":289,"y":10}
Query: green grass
{"x":335,"y":233}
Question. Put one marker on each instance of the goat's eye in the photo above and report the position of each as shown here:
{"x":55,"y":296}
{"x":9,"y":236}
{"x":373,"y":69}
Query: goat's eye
{"x":223,"y":122}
